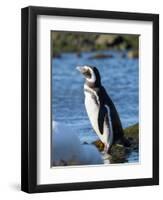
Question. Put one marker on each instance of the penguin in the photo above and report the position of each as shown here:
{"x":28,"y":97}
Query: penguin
{"x":101,"y":110}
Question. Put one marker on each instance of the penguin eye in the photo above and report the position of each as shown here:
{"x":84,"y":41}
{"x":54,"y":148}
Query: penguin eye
{"x":87,"y":73}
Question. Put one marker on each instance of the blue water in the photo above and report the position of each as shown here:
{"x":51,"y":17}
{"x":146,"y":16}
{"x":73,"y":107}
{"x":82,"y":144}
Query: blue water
{"x":119,"y":77}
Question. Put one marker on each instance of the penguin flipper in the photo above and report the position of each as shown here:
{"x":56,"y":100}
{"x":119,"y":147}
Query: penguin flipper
{"x":116,"y":122}
{"x":101,"y":118}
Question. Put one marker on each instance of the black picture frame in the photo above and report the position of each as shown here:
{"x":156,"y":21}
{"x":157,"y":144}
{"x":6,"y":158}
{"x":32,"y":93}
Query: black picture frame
{"x":29,"y":98}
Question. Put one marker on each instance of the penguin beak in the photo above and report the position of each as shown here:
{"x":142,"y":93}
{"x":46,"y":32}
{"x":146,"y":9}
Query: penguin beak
{"x":81,"y":69}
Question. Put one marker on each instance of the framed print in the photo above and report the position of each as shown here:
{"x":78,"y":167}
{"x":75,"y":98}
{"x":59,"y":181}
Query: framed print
{"x":90,"y":99}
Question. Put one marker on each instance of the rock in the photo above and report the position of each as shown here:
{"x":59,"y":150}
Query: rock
{"x":133,"y":54}
{"x":100,"y":56}
{"x":118,"y":40}
{"x":57,"y":55}
{"x":123,"y":55}
{"x":78,"y":54}
{"x":106,"y":39}
{"x":74,"y":42}
{"x":132,"y":133}
{"x":118,"y":152}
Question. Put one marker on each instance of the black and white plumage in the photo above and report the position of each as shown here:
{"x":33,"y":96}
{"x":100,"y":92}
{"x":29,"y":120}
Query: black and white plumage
{"x":101,"y":110}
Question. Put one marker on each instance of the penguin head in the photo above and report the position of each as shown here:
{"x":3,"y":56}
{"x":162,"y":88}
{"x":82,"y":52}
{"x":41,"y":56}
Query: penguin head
{"x":91,"y":74}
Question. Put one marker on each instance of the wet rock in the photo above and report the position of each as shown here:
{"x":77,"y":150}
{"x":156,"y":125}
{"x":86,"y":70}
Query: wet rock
{"x":133,"y":54}
{"x":101,"y":56}
{"x":132,"y":134}
{"x":118,"y":152}
{"x":106,"y":39}
{"x":78,"y":54}
{"x":123,"y":55}
{"x":57,"y":55}
{"x":118,"y":40}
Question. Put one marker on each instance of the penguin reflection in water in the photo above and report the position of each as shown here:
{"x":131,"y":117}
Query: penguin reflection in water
{"x":101,"y":110}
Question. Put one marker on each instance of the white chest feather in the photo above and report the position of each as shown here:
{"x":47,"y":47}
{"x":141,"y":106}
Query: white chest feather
{"x":92,"y":111}
{"x":92,"y":106}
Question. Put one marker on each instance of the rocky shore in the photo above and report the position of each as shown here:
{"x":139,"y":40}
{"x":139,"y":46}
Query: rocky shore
{"x":79,"y":42}
{"x":119,"y":153}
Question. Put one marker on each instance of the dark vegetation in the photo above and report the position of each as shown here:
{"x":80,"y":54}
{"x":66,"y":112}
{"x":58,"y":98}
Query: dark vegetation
{"x":79,"y":42}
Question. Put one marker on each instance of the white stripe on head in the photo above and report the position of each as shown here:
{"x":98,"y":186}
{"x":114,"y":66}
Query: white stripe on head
{"x":93,"y":77}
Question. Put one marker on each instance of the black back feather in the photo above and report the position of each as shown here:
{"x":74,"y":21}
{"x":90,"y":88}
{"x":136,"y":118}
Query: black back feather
{"x":98,"y":77}
{"x":115,"y":119}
